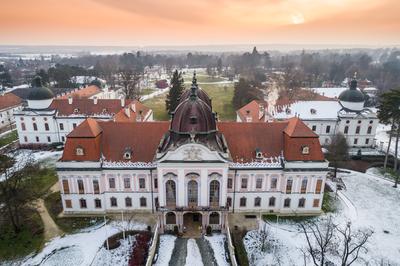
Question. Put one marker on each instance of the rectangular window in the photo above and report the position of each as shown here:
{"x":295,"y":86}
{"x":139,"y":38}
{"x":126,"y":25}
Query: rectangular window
{"x":48,"y":139}
{"x":328,"y":129}
{"x":366,"y":141}
{"x":243,"y":202}
{"x":128,"y":202}
{"x":113,"y":202}
{"x":346,"y":129}
{"x":274,"y":182}
{"x":34,"y":127}
{"x":302,"y":202}
{"x":82,"y":202}
{"x":286,"y":203}
{"x":257,"y":202}
{"x":68,"y":204}
{"x":244,"y":183}
{"x":46,"y":127}
{"x":111,"y":182}
{"x":289,"y":184}
{"x":37,"y":139}
{"x":65,"y":186}
{"x":143,"y":202}
{"x":81,"y":187}
{"x":61,"y":126}
{"x":355,"y":141}
{"x":369,"y":130}
{"x":229,"y":201}
{"x":303,"y":186}
{"x":230,"y":183}
{"x":155,"y":183}
{"x":23,"y":126}
{"x":316,"y":203}
{"x":142,"y":183}
{"x":97,"y":203}
{"x":96,"y":187}
{"x":62,"y":138}
{"x":358,"y":130}
{"x":25,"y":138}
{"x":271,"y":202}
{"x":74,"y":125}
{"x":314,"y":128}
{"x":318,"y":187}
{"x":259,"y":183}
{"x":127,"y":182}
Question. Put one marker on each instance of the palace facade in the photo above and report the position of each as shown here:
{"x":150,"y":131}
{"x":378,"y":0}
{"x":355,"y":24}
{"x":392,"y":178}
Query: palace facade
{"x":192,"y":167}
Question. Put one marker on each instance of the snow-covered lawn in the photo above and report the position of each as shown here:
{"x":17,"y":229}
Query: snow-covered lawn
{"x":371,"y":203}
{"x":193,"y":257}
{"x":115,"y":257}
{"x":166,"y":247}
{"x":217,"y":243}
{"x":85,"y":247}
{"x":382,"y":138}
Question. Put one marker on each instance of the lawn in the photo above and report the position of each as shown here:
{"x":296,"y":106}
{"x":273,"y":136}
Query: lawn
{"x":67,"y":224}
{"x":8,"y":138}
{"x":221,"y":95}
{"x":202,"y":78}
{"x":146,"y":91}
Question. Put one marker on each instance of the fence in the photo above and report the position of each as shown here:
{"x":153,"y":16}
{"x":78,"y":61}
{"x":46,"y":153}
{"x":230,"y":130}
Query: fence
{"x":231,"y":248}
{"x":153,"y":247}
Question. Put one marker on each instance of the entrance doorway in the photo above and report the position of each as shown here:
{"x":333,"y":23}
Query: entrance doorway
{"x":192,"y":222}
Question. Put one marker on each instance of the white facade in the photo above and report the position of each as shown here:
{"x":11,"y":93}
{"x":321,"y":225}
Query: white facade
{"x":7,"y":115}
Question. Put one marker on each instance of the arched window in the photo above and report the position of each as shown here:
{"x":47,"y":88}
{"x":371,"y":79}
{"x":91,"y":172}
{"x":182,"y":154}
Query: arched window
{"x":192,"y":193}
{"x":79,"y":151}
{"x":229,"y":201}
{"x":214,"y":218}
{"x":214,"y":193}
{"x":369,"y":130}
{"x":286,"y":203}
{"x":170,"y":218}
{"x":257,"y":202}
{"x":346,"y":129}
{"x":243,"y":201}
{"x":170,"y":192}
{"x":128,"y":202}
{"x":271,"y":202}
{"x":113,"y":202}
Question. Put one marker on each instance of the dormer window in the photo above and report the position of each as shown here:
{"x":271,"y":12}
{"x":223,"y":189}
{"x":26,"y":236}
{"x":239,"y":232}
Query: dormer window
{"x":79,"y":151}
{"x":259,"y":154}
{"x":104,"y":111}
{"x":288,"y":111}
{"x":305,"y":150}
{"x":128,"y":154}
{"x":76,"y":110}
{"x":313,"y":111}
{"x":193,"y":120}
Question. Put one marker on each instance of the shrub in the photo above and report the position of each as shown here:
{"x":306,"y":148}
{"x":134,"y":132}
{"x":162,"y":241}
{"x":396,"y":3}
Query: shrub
{"x":140,"y":249}
{"x":176,"y":230}
{"x":209,"y":230}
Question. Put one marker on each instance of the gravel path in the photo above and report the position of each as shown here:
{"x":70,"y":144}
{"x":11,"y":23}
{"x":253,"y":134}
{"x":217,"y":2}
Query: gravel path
{"x":178,"y":257}
{"x":207,"y":253}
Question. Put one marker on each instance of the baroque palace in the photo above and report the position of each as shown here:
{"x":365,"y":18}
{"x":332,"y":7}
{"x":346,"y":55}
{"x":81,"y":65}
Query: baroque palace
{"x":192,"y":168}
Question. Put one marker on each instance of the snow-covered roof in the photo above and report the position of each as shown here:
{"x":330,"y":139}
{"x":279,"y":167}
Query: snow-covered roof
{"x":330,"y":92}
{"x":310,"y":110}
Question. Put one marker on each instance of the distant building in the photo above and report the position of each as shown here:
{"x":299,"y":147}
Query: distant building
{"x":46,"y":120}
{"x":9,"y":104}
{"x":346,"y":115}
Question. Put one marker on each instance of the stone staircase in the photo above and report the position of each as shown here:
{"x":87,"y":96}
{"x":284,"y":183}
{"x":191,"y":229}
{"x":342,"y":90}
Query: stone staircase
{"x":207,"y":253}
{"x":178,"y":257}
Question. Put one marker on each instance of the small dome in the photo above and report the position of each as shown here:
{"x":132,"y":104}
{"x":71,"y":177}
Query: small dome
{"x":193,"y":115}
{"x":352,"y":94}
{"x":38,"y":92}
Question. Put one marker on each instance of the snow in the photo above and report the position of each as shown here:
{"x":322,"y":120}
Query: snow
{"x":165,"y":249}
{"x":369,"y":202}
{"x":128,"y":164}
{"x":115,"y":257}
{"x":217,"y":243}
{"x":193,"y":257}
{"x":382,"y":139}
{"x":330,"y":92}
{"x":85,"y":247}
{"x":324,"y":110}
{"x":154,"y":94}
{"x":272,"y":162}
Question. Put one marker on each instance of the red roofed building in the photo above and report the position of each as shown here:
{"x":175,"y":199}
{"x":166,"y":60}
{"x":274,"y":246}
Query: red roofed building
{"x":9,"y":103}
{"x":47,"y":120}
{"x":192,"y":169}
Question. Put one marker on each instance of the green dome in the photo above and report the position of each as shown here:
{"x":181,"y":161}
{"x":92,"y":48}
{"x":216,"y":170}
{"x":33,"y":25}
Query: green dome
{"x":352,"y":94}
{"x":38,"y":92}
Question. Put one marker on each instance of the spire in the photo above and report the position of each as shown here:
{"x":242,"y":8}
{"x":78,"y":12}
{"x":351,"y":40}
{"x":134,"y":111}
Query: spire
{"x":194,"y":80}
{"x":194,"y":87}
{"x":353,"y":82}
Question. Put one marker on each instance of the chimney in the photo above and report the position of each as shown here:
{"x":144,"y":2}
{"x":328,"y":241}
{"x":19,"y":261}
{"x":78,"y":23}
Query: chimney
{"x":95,"y":100}
{"x":70,"y":99}
{"x":122,"y":102}
{"x":127,"y":111}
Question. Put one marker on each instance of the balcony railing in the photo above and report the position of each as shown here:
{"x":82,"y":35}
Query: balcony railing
{"x":192,"y":208}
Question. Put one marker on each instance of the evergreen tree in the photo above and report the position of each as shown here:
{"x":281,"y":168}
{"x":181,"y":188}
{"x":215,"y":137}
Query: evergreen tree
{"x":5,"y":77}
{"x":176,"y":89}
{"x":389,"y":113}
{"x":244,"y":93}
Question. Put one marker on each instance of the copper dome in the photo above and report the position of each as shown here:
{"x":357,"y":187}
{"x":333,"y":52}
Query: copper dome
{"x":193,"y":115}
{"x":200,"y":93}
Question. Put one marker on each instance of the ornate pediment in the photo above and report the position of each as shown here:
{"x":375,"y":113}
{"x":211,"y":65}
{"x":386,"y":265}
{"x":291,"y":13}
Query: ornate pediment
{"x":192,"y":154}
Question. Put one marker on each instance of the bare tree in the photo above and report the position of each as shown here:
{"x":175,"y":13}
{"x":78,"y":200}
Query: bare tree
{"x":291,"y":80}
{"x":130,"y":81}
{"x":320,"y":239}
{"x":353,"y":242}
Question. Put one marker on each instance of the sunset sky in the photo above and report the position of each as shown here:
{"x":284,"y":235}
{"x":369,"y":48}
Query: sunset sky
{"x":200,"y":22}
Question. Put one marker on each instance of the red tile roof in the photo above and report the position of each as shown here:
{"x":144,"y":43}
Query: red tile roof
{"x":9,"y":100}
{"x":113,"y":138}
{"x":83,"y":93}
{"x":252,"y":110}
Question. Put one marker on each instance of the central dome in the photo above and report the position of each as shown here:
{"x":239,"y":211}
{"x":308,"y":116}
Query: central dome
{"x":193,"y":115}
{"x":352,"y":98}
{"x":39,"y":92}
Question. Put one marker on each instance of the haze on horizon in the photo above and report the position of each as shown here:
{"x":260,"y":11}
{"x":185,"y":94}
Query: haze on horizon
{"x":202,"y":22}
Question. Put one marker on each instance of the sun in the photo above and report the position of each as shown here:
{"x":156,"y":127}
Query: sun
{"x":297,"y":18}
